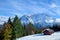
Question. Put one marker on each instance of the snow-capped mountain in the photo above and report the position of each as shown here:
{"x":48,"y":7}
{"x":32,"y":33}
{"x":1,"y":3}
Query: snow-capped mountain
{"x":3,"y":19}
{"x":38,"y":19}
{"x":26,"y":19}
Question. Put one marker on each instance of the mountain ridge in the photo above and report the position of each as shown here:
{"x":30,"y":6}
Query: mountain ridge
{"x":40,"y":19}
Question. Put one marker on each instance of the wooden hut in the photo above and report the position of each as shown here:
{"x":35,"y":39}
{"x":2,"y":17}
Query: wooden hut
{"x":48,"y":32}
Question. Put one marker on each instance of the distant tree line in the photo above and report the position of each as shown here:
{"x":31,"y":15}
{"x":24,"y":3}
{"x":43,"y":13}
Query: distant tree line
{"x":56,"y":27}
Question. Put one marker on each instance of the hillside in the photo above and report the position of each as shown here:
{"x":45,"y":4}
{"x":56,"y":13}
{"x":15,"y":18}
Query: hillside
{"x":54,"y":36}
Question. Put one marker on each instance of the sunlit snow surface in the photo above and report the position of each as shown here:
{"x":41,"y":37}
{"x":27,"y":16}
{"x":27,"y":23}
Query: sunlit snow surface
{"x":54,"y":36}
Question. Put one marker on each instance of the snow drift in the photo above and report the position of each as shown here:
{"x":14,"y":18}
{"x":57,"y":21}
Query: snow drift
{"x":54,"y":36}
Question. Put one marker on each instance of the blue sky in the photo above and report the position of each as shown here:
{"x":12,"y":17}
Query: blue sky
{"x":21,"y":7}
{"x":10,"y":8}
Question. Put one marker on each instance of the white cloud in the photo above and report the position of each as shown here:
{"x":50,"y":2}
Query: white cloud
{"x":49,"y":21}
{"x":57,"y":20}
{"x":31,"y":8}
{"x":34,"y":8}
{"x":53,"y":5}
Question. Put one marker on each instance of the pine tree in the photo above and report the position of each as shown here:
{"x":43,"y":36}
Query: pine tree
{"x":7,"y":30}
{"x":31,"y":29}
{"x":18,"y":27}
{"x":1,"y":35}
{"x":2,"y":32}
{"x":25,"y":32}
